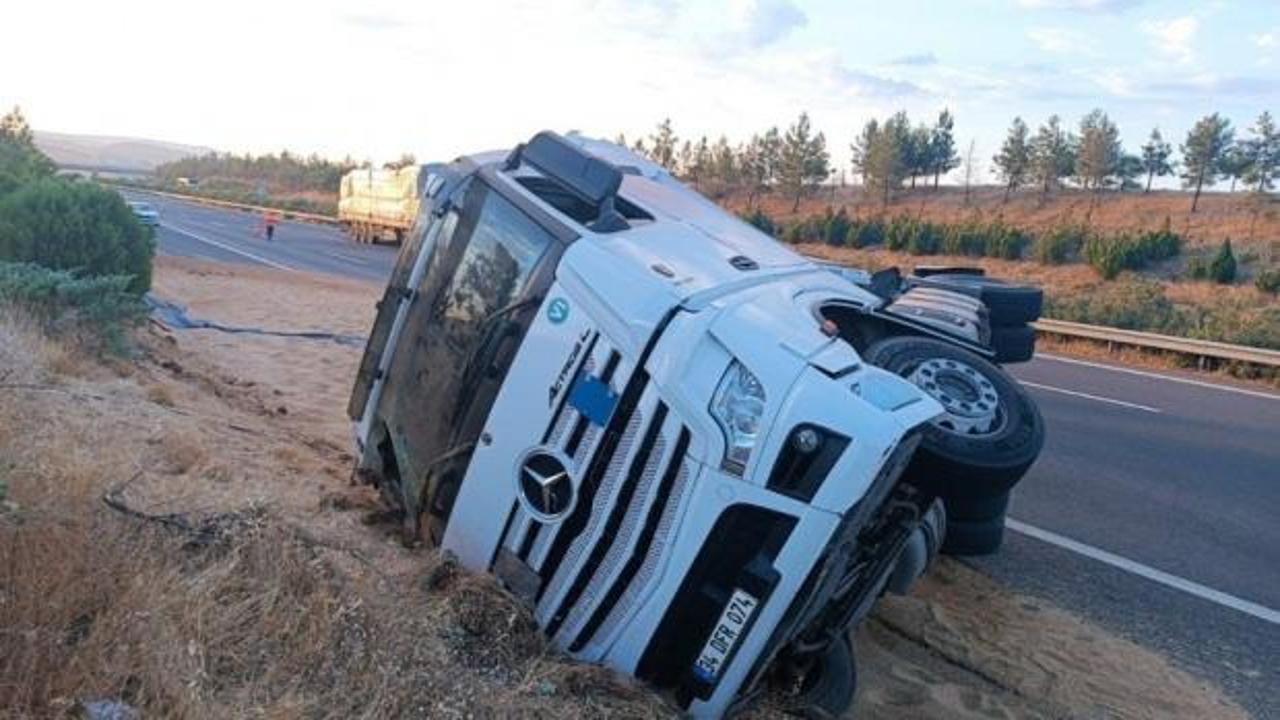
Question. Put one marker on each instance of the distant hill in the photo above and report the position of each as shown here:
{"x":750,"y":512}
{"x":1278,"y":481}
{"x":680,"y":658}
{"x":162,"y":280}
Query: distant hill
{"x":119,"y":153}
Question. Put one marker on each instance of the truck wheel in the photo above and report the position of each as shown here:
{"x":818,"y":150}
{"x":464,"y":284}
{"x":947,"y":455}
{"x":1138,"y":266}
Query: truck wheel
{"x":1013,"y":344}
{"x":990,"y":430}
{"x":827,"y":689}
{"x":1009,"y":304}
{"x":976,"y":508}
{"x":973,"y":538}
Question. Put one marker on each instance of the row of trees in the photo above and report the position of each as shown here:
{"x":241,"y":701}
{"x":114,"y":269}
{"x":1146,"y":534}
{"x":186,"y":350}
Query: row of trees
{"x":891,"y":153}
{"x":286,"y":172}
{"x":794,"y":160}
{"x":1095,"y":159}
{"x":885,"y":154}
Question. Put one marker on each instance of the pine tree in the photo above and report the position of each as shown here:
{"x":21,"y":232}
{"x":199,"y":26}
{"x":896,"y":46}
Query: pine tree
{"x":804,"y":159}
{"x":1263,"y":150}
{"x":21,"y":161}
{"x":1223,"y":268}
{"x":1052,"y":155}
{"x":885,"y":162}
{"x":942,"y":147}
{"x":918,"y":153}
{"x":662,"y":145}
{"x":1013,"y":162}
{"x":1202,"y":153}
{"x":1128,"y":170}
{"x":752,"y":168}
{"x":1155,"y":157}
{"x":861,"y":150}
{"x":1235,"y":164}
{"x":684,"y":160}
{"x":14,"y":127}
{"x":1099,"y":153}
{"x":771,"y":155}
{"x":701,"y":160}
{"x":724,"y":166}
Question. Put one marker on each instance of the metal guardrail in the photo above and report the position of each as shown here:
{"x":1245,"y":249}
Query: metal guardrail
{"x":289,"y":214}
{"x":1185,"y":346}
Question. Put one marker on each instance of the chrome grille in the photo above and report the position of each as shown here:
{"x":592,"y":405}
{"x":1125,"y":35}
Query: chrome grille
{"x":631,"y":475}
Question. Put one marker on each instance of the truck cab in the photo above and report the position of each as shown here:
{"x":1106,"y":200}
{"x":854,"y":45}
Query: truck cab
{"x":631,"y":408}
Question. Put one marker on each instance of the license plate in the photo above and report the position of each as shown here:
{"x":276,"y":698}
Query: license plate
{"x":724,"y":638}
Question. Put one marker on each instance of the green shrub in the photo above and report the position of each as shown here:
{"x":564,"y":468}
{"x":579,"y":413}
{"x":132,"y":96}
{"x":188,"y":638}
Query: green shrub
{"x":1110,"y":254}
{"x":897,"y":233}
{"x":1003,"y":241}
{"x":1133,"y":305}
{"x":761,"y":220}
{"x":68,"y":225}
{"x":1142,"y":305}
{"x":836,"y":227}
{"x":1198,"y":268}
{"x":20,"y":163}
{"x":925,"y":239}
{"x":867,"y":233}
{"x":1223,"y":268}
{"x":1268,"y":281}
{"x":96,"y":310}
{"x":1059,"y":245}
{"x":964,"y":239}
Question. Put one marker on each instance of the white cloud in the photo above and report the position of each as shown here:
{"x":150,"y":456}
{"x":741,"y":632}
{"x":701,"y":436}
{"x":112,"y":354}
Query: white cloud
{"x":1173,"y":37}
{"x":1083,"y":5}
{"x":1267,"y":40}
{"x":763,"y":22}
{"x":922,"y":59}
{"x":1057,"y":40}
{"x":1115,"y":82}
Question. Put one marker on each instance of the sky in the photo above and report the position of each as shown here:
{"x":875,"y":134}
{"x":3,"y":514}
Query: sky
{"x":372,"y":79}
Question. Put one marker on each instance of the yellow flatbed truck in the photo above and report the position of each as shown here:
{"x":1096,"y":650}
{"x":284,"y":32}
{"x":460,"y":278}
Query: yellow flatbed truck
{"x":378,"y":205}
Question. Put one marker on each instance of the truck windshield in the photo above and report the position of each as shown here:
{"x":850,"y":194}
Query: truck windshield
{"x":500,"y":255}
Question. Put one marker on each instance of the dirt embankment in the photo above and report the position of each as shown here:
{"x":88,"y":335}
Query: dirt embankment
{"x":264,"y":584}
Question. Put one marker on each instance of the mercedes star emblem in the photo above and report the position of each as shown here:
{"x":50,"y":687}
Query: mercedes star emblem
{"x":545,"y":486}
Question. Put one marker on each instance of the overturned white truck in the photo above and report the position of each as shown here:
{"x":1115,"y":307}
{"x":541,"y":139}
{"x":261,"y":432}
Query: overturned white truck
{"x":698,"y":456}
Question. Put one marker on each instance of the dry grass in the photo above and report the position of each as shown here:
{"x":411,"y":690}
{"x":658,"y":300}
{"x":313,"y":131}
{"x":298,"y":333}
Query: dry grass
{"x":267,"y":617}
{"x":1249,"y":222}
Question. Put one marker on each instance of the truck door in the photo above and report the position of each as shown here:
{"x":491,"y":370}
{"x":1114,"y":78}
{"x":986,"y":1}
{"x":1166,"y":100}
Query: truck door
{"x":474,"y":307}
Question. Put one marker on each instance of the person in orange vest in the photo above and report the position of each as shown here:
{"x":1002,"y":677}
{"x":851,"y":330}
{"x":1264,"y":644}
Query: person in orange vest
{"x":269,"y":221}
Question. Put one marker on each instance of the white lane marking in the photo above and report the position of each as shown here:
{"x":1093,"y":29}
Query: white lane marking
{"x":228,"y":248}
{"x":345,"y":258}
{"x":1087,"y":396}
{"x":1170,"y":378}
{"x":1159,"y":576}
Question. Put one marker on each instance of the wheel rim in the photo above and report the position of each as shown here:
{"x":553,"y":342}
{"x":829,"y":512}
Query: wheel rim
{"x":970,"y":402}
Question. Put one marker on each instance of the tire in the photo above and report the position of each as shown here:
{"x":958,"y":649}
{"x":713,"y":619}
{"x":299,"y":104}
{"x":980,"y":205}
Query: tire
{"x":1013,"y":344}
{"x":981,"y":451}
{"x":829,"y":686}
{"x":973,"y":538}
{"x":1009,"y":304}
{"x":976,"y":508}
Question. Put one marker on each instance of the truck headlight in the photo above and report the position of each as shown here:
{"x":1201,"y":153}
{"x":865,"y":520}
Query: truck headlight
{"x":738,"y":406}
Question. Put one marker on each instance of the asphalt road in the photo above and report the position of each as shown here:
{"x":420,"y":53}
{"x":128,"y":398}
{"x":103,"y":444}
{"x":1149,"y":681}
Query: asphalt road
{"x":191,"y":230}
{"x":1154,"y":509}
